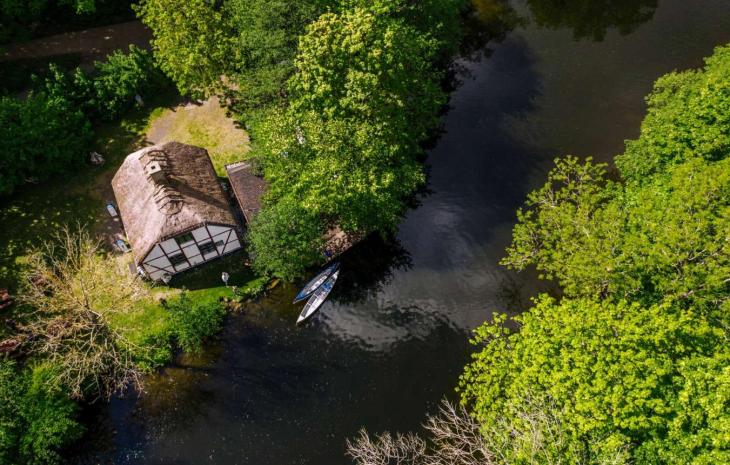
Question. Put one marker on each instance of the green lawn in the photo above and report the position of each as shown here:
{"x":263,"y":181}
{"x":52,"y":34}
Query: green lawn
{"x":204,"y":124}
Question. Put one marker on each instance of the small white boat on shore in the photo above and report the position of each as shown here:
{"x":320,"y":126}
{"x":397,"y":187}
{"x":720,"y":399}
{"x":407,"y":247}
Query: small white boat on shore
{"x":318,"y":298}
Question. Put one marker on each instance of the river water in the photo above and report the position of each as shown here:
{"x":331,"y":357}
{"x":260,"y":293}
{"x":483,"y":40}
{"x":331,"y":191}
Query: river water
{"x":557,"y":77}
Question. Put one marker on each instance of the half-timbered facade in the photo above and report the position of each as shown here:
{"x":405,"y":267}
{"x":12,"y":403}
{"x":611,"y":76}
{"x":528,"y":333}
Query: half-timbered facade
{"x":175,"y":212}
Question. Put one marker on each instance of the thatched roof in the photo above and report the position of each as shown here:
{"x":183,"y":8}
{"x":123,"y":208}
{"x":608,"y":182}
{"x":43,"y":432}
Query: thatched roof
{"x":248,"y":188}
{"x":165,"y":190}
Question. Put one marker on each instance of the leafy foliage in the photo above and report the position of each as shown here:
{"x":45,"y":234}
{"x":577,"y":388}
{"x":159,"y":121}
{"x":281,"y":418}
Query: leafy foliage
{"x":614,"y":370}
{"x":39,"y":137}
{"x":193,"y":320}
{"x":110,"y":89}
{"x":365,"y":65}
{"x":688,"y":117}
{"x":193,"y":42}
{"x":635,"y":356}
{"x":265,"y":44}
{"x":284,"y":239}
{"x":364,"y":94}
{"x":36,"y":418}
{"x":119,"y":78}
{"x":246,"y":48}
{"x":666,"y":239}
{"x":338,"y":170}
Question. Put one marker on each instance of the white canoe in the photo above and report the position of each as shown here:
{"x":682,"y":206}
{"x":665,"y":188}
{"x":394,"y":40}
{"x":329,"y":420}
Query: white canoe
{"x":318,"y":298}
{"x":317,"y":281}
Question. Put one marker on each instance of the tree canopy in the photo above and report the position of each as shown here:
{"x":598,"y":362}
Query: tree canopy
{"x":193,"y":42}
{"x":39,"y":137}
{"x":365,"y":92}
{"x":635,"y":353}
{"x":688,"y":117}
{"x":620,"y":373}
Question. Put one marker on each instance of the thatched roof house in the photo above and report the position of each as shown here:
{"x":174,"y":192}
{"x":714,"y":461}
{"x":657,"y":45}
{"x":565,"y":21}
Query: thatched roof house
{"x":175,"y":213}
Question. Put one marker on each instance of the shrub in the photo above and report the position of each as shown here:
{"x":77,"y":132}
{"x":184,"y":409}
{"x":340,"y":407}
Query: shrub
{"x":194,"y":321}
{"x":285,"y":239}
{"x":110,"y":89}
{"x":122,"y":76}
{"x":37,"y":419}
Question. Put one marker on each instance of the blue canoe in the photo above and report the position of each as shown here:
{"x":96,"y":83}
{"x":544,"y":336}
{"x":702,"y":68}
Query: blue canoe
{"x":317,"y":281}
{"x":318,"y":298}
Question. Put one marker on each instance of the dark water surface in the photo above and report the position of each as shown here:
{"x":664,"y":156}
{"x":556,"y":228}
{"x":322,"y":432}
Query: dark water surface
{"x":568,"y":77}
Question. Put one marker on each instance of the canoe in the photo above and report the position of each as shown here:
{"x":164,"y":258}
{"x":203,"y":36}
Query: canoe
{"x":317,"y":281}
{"x":318,"y":298}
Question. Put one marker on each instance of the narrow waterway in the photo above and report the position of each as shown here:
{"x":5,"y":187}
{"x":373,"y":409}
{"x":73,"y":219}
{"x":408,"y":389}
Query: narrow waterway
{"x":567,"y":77}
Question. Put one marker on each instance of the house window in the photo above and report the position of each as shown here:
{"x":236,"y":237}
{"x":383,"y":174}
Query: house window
{"x":177,"y":259}
{"x":207,"y":248}
{"x":183,"y":238}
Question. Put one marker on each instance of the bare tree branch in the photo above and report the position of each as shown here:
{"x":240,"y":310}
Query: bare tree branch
{"x":75,"y":291}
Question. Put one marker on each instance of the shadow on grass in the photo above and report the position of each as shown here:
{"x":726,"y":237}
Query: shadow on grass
{"x":208,"y":275}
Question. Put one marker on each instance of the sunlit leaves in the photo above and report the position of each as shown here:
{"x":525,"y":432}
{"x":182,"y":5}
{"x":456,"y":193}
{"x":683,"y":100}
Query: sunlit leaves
{"x":192,"y":42}
{"x":636,"y":353}
{"x":688,"y":117}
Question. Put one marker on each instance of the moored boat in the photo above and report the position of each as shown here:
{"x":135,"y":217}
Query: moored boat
{"x":318,"y":298}
{"x":317,"y":281}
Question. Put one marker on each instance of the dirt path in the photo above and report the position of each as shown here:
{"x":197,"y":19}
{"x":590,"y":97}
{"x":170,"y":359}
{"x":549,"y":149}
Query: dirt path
{"x":90,"y":44}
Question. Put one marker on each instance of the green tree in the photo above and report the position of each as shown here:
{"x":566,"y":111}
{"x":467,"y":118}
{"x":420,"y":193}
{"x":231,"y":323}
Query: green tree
{"x":666,"y":239}
{"x":688,"y":117}
{"x":265,"y":40}
{"x":615,"y":372}
{"x":119,"y":78}
{"x":363,"y":96}
{"x":193,"y":43}
{"x":40,"y":137}
{"x":340,"y":170}
{"x":284,"y":239}
{"x":366,"y":65}
{"x":110,"y":88}
{"x":36,"y":418}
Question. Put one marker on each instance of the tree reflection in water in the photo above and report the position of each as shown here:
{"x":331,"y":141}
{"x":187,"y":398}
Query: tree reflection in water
{"x":487,"y":21}
{"x":592,"y":18}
